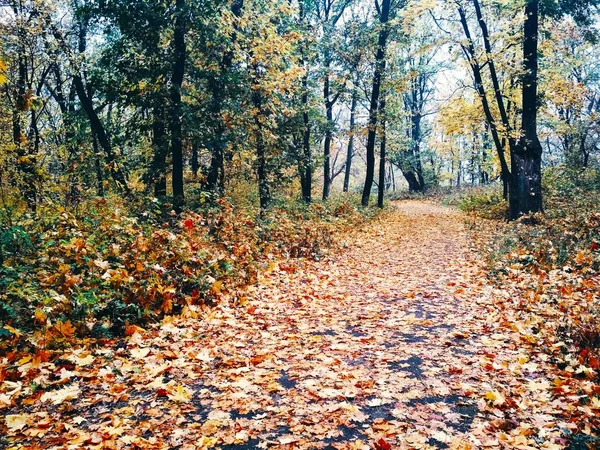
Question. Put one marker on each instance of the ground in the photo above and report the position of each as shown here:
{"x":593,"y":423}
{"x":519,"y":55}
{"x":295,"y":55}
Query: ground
{"x":391,"y":343}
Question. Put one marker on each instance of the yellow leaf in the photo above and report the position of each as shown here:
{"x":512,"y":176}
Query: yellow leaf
{"x":86,"y":361}
{"x":495,"y":397}
{"x":66,"y":329}
{"x":61,"y":395}
{"x":180,"y":394}
{"x":139,"y":353}
{"x":217,"y":287}
{"x":14,"y":331}
{"x":16,"y":422}
{"x":40,"y":316}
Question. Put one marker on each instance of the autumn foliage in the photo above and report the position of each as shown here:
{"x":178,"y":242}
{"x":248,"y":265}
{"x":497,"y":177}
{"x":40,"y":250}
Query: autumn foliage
{"x":96,"y":272}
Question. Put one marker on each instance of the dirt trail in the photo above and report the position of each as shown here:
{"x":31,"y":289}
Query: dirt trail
{"x":379,"y":345}
{"x":344,"y":352}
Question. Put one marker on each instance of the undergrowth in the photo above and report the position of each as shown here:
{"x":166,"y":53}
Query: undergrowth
{"x":110,"y":265}
{"x":553,"y":261}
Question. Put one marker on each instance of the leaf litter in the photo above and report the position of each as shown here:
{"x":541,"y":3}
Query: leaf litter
{"x":399,"y":341}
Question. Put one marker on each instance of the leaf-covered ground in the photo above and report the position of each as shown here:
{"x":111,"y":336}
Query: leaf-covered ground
{"x":399,"y":341}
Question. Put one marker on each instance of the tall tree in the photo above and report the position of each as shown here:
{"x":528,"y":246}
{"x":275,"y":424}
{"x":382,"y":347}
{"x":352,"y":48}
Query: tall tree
{"x":329,"y":13}
{"x":384,"y":32}
{"x":218,"y":87}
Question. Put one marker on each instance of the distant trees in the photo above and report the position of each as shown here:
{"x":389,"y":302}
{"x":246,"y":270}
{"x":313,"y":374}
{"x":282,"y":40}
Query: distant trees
{"x":186,"y":100}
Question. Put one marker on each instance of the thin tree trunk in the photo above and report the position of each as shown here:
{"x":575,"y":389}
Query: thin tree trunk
{"x":264,"y":193}
{"x":98,"y":164}
{"x":374,"y":106}
{"x":350,"y":152}
{"x":306,"y":158}
{"x":382,"y":156}
{"x":328,"y":133}
{"x":470,"y":53}
{"x":195,"y":162}
{"x":100,"y":133}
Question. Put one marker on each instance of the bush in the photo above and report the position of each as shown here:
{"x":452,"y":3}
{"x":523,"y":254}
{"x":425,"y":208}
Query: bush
{"x":97,"y":272}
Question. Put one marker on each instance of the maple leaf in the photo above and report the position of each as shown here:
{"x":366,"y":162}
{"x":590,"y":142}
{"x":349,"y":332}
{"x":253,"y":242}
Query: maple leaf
{"x":85,"y":361}
{"x":495,"y":397}
{"x":16,"y":422}
{"x":180,"y":394}
{"x":66,"y":329}
{"x":61,"y":395}
{"x":139,"y":353}
{"x":381,"y":444}
{"x":188,"y":224}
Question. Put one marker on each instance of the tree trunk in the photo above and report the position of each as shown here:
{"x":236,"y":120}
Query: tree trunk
{"x":350,"y":152}
{"x":526,"y":188}
{"x":195,"y":163}
{"x":328,"y":133}
{"x":373,"y":109}
{"x":179,"y":52}
{"x":413,"y":182}
{"x":100,"y":133}
{"x":470,"y":53}
{"x":381,"y":190}
{"x":264,"y":193}
{"x":306,"y":158}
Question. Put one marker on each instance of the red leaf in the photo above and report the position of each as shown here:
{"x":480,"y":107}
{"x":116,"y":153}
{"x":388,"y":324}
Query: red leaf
{"x":188,"y":224}
{"x":595,"y":246}
{"x":161,"y":392}
{"x":381,"y":444}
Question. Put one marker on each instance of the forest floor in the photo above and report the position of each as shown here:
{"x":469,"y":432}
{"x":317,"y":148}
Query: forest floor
{"x":390,"y":343}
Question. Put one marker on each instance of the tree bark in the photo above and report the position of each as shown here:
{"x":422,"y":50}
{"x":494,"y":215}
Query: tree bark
{"x":350,"y":152}
{"x":526,"y":189}
{"x":374,"y":106}
{"x":100,"y":133}
{"x":382,"y":156}
{"x":306,"y":169}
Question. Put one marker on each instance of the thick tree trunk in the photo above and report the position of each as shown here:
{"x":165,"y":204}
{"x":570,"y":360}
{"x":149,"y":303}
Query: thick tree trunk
{"x":179,"y":51}
{"x":350,"y":152}
{"x":413,"y":182}
{"x":374,"y":106}
{"x":26,"y":160}
{"x":526,"y":188}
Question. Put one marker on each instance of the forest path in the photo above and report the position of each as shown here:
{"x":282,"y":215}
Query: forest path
{"x":367,"y":345}
{"x":378,"y":346}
